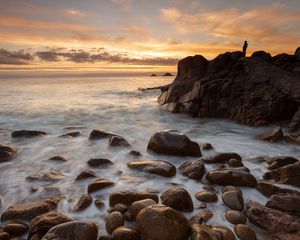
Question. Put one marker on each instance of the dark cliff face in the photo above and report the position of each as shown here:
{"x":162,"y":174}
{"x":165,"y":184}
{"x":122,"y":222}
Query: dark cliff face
{"x":254,"y":90}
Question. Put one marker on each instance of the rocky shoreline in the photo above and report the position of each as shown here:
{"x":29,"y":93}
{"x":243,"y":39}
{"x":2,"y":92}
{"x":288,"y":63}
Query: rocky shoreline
{"x":170,"y":214}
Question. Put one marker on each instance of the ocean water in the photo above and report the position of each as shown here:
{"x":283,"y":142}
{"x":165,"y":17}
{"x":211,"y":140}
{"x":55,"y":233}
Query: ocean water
{"x":60,"y":105}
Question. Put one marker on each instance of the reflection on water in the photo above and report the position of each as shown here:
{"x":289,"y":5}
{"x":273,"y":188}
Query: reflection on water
{"x":112,"y":104}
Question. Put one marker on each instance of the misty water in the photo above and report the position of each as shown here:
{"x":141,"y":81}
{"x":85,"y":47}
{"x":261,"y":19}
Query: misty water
{"x":60,"y":105}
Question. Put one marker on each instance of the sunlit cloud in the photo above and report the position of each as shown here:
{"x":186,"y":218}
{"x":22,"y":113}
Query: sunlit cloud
{"x":124,"y":5}
{"x":76,"y":12}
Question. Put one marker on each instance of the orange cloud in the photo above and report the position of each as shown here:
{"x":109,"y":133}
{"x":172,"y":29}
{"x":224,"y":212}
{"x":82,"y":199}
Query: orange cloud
{"x":75,"y":12}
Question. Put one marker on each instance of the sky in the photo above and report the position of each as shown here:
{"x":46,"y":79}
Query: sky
{"x":139,"y":35}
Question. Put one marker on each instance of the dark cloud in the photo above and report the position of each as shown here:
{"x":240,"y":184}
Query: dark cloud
{"x":80,"y":56}
{"x":15,"y":58}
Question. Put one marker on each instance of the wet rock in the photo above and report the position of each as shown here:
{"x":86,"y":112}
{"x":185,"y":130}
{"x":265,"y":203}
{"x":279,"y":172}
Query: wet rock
{"x":43,"y":223}
{"x":27,"y":133}
{"x":125,"y":233}
{"x":206,"y":196}
{"x":289,"y":174}
{"x":233,"y":199}
{"x":294,"y":124}
{"x":58,"y":158}
{"x":223,"y":157}
{"x":128,"y":216}
{"x":273,"y":135}
{"x":193,"y":169}
{"x":100,"y":134}
{"x":51,"y":176}
{"x":178,"y":198}
{"x":235,"y":163}
{"x":113,"y":221}
{"x":285,"y":202}
{"x":97,"y":162}
{"x":73,"y":230}
{"x":135,"y":153}
{"x":137,"y":206}
{"x":201,"y":217}
{"x":244,"y":232}
{"x":206,"y":146}
{"x":271,"y":219}
{"x":72,"y":134}
{"x":128,"y":197}
{"x":105,"y":237}
{"x":122,"y":208}
{"x":202,"y":232}
{"x":172,"y":142}
{"x":84,"y":202}
{"x":85,"y":174}
{"x":99,"y":203}
{"x":161,"y":222}
{"x":235,"y":217}
{"x":118,"y":141}
{"x":158,"y":167}
{"x":268,"y":189}
{"x":231,"y":177}
{"x":0,"y":202}
{"x":287,"y":236}
{"x":223,"y":233}
{"x":7,"y":153}
{"x":99,"y":184}
{"x":28,"y":211}
{"x":281,"y":161}
{"x":16,"y":228}
{"x":4,"y":236}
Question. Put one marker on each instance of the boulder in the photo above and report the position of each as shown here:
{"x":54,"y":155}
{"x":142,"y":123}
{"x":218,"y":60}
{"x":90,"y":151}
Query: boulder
{"x":271,"y":219}
{"x":118,"y":141}
{"x":193,"y":169}
{"x":244,"y":232}
{"x":99,"y":184}
{"x":27,"y":133}
{"x":233,"y":199}
{"x":128,"y":197}
{"x":83,"y":202}
{"x":113,"y":221}
{"x":158,"y":167}
{"x":268,"y":189}
{"x":285,"y":202}
{"x":262,"y":54}
{"x":235,"y":217}
{"x":159,"y":222}
{"x":287,"y":236}
{"x":7,"y":153}
{"x":223,"y":157}
{"x":273,"y":135}
{"x":125,"y":233}
{"x":280,"y":161}
{"x":178,"y":198}
{"x":28,"y":211}
{"x":73,"y":230}
{"x":98,"y":162}
{"x":137,"y":206}
{"x":100,"y":134}
{"x":85,"y":174}
{"x":206,"y":196}
{"x":231,"y":177}
{"x":43,"y":223}
{"x":171,"y":142}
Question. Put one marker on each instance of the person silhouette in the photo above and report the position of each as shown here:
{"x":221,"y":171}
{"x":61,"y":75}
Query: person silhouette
{"x":245,"y":48}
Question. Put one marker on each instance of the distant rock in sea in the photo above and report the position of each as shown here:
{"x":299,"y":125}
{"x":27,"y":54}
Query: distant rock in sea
{"x":255,"y":90}
{"x":153,"y":75}
{"x":167,"y":74}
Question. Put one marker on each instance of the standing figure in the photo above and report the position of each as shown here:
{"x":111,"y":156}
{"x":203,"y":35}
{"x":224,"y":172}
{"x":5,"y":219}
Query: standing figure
{"x":245,"y":48}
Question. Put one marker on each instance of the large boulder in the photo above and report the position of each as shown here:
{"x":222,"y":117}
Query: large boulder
{"x":159,"y":222}
{"x":7,"y":153}
{"x":178,"y":198}
{"x":161,"y":168}
{"x":193,"y":169}
{"x":128,"y":197}
{"x":285,"y":202}
{"x":75,"y":230}
{"x":172,"y":142}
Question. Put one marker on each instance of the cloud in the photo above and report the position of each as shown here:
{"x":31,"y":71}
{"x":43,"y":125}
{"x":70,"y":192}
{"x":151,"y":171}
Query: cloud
{"x":135,"y":30}
{"x":15,"y":58}
{"x":75,"y":12}
{"x":124,"y":5}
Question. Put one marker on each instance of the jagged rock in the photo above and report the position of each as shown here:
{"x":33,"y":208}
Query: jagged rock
{"x":235,"y":217}
{"x":84,"y":202}
{"x":7,"y":153}
{"x":201,"y":232}
{"x":28,"y":211}
{"x":172,"y":142}
{"x":223,"y":157}
{"x":193,"y":169}
{"x":118,"y":141}
{"x":27,"y":133}
{"x":137,"y":206}
{"x":273,"y":135}
{"x":85,"y":174}
{"x":287,"y":236}
{"x":125,"y":233}
{"x":100,"y":134}
{"x":297,"y":53}
{"x":231,"y":177}
{"x":43,"y":223}
{"x":97,"y":162}
{"x":161,"y":222}
{"x":113,"y":221}
{"x":285,"y":202}
{"x":178,"y":198}
{"x":271,"y":219}
{"x":268,"y":189}
{"x":295,"y":122}
{"x":73,"y":230}
{"x":158,"y":167}
{"x":99,"y":184}
{"x":280,"y":161}
{"x":206,"y":196}
{"x":128,"y":197}
{"x":244,"y":232}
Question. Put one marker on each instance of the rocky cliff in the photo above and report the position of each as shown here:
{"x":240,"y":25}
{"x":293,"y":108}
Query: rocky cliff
{"x":254,"y":90}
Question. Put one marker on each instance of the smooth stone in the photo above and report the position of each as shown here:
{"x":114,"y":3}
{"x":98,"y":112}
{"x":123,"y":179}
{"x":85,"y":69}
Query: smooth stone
{"x":222,"y":157}
{"x":193,"y":169}
{"x":43,"y":223}
{"x":280,"y":161}
{"x":16,"y":228}
{"x":235,"y":163}
{"x":100,"y":134}
{"x":135,"y":153}
{"x":160,"y":222}
{"x":158,"y":167}
{"x":206,"y":196}
{"x":85,"y":174}
{"x":72,"y":134}
{"x":52,"y":176}
{"x":128,"y":197}
{"x":201,"y":217}
{"x":202,"y":232}
{"x":99,"y":184}
{"x":84,"y":202}
{"x":285,"y":201}
{"x":113,"y":221}
{"x":27,"y":133}
{"x":234,"y":200}
{"x":137,"y":206}
{"x":97,"y":162}
{"x":223,"y":233}
{"x":81,"y":230}
{"x":58,"y":158}
{"x":118,"y":141}
{"x":206,"y":146}
{"x":178,"y":198}
{"x":99,"y":203}
{"x":7,"y":153}
{"x":122,"y":208}
{"x":273,"y":135}
{"x":235,"y":217}
{"x":244,"y":232}
{"x":171,"y":142}
{"x":28,"y":211}
{"x":125,"y":233}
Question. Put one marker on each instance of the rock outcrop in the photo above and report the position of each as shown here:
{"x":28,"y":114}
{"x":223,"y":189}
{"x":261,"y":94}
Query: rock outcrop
{"x":255,"y":90}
